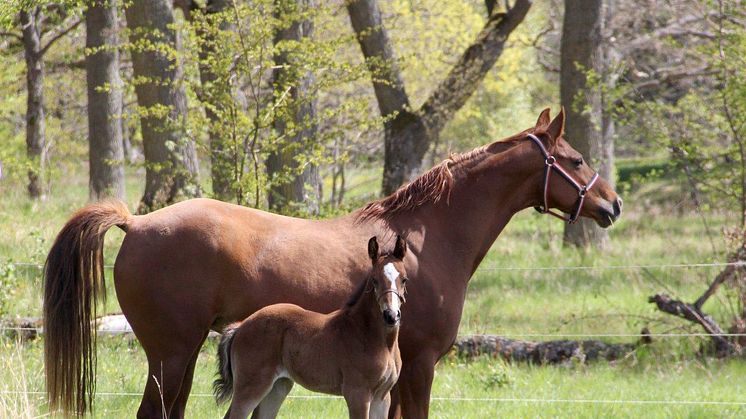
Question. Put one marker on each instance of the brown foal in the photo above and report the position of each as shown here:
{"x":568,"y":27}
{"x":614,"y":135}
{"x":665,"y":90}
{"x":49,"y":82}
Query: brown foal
{"x":352,"y":352}
{"x":203,"y":264}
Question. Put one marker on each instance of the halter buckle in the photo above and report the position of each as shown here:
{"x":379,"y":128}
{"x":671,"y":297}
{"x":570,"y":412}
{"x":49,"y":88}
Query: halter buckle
{"x":550,"y":161}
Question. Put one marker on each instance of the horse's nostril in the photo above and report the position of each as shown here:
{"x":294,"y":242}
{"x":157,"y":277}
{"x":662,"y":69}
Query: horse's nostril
{"x":391,"y":317}
{"x":618,"y":207}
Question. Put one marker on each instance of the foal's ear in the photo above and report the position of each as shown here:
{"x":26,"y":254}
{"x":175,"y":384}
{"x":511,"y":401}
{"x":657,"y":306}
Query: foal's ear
{"x":544,"y":119}
{"x":557,"y":127}
{"x":401,"y":248}
{"x":373,"y":249}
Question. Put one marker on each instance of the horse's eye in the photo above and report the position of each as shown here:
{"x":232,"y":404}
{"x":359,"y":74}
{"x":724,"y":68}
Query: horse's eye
{"x":578,"y":162}
{"x":404,"y":280}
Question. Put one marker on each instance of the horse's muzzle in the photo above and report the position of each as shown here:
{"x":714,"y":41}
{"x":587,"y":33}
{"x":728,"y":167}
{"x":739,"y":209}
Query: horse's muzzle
{"x":391,"y":317}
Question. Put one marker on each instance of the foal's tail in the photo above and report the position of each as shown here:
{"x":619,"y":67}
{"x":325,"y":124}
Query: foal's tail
{"x":223,"y":385}
{"x":73,"y":284}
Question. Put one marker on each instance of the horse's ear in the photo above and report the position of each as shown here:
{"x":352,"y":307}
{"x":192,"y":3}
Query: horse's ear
{"x":557,"y":127}
{"x":401,"y":247}
{"x":544,"y":119}
{"x":373,"y":248}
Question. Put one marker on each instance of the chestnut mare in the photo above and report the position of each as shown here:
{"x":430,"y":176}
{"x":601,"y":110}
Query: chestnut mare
{"x":202,"y":264}
{"x":352,"y":352}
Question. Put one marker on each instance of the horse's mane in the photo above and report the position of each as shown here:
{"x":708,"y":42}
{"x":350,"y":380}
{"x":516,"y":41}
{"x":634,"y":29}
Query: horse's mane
{"x":431,"y":186}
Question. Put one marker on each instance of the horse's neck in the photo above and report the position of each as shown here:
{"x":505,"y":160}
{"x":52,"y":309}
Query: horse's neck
{"x":478,"y":209}
{"x":366,"y":315}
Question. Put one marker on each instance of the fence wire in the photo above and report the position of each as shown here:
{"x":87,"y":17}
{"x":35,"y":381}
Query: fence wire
{"x":509,"y":268}
{"x":457,"y":399}
{"x":441,"y":399}
{"x":40,"y":331}
{"x":542,"y":268}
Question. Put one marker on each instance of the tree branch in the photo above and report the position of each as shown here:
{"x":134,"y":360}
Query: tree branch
{"x":477,"y":60}
{"x":666,"y":304}
{"x":11,"y":35}
{"x":59,"y":36}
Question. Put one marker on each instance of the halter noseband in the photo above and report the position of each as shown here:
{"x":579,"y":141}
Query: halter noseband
{"x":550,"y":162}
{"x":401,"y":296}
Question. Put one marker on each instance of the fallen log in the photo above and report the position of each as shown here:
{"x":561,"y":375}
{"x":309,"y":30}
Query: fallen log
{"x":540,"y":353}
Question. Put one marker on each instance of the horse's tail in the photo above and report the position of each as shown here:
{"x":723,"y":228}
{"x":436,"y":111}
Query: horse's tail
{"x":73,"y":284}
{"x":223,"y":385}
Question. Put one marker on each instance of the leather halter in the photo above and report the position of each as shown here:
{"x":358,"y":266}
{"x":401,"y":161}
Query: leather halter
{"x":401,"y":296}
{"x":550,"y":162}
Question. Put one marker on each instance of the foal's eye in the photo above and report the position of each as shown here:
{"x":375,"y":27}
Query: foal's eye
{"x":578,"y":162}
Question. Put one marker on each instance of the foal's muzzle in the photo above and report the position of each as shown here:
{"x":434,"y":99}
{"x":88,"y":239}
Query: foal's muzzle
{"x":391,"y":317}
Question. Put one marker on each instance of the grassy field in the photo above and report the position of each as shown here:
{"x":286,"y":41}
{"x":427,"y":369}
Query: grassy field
{"x":665,"y":379}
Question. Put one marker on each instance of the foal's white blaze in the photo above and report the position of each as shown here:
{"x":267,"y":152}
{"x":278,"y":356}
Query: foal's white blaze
{"x":391,"y":274}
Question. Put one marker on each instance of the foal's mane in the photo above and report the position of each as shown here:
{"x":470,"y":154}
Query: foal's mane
{"x":433,"y":185}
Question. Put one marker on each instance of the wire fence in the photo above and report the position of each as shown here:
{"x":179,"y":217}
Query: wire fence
{"x":452,"y":399}
{"x":36,"y":269}
{"x":538,"y":268}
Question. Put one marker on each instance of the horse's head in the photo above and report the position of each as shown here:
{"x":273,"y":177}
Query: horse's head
{"x":568,"y":183}
{"x":389,"y":279}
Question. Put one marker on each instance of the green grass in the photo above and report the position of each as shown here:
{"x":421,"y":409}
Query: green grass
{"x":491,"y":387}
{"x":509,"y":302}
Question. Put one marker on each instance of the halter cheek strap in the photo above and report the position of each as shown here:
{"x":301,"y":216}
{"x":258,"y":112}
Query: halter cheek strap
{"x":551,"y":164}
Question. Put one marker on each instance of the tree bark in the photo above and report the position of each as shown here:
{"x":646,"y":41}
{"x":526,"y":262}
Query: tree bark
{"x":292,"y":185}
{"x":35,"y":124}
{"x":170,"y":158}
{"x":408,"y":133}
{"x":106,"y":154}
{"x":581,"y":50}
{"x":542,"y":353}
{"x":221,"y":167}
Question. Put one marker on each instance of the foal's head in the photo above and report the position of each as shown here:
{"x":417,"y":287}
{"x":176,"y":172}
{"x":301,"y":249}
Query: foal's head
{"x":389,"y":279}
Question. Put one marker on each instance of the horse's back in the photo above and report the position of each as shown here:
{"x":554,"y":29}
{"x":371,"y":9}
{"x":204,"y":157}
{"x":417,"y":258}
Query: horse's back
{"x":224,"y":262}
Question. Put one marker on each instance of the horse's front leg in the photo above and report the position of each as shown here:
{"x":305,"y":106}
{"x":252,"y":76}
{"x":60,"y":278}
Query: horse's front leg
{"x":415,"y":383}
{"x":379,"y":409}
{"x":358,"y":403}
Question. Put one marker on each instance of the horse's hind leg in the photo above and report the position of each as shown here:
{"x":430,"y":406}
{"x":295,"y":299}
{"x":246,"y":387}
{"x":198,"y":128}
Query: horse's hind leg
{"x":177,"y":411}
{"x":271,"y":403}
{"x":170,"y":367}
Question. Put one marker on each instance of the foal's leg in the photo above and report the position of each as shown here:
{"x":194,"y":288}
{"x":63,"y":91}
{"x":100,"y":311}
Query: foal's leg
{"x":271,"y":403}
{"x":251,"y":385}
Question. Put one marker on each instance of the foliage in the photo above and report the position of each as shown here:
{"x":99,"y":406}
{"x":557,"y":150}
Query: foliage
{"x":702,"y":125}
{"x":247,"y":99}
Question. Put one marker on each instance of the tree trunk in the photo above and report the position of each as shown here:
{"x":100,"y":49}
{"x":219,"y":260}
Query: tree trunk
{"x":581,"y":51}
{"x":409,"y":134}
{"x":35,"y":124}
{"x":170,"y":158}
{"x":291,"y":185}
{"x":106,"y":154}
{"x":221,"y":167}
